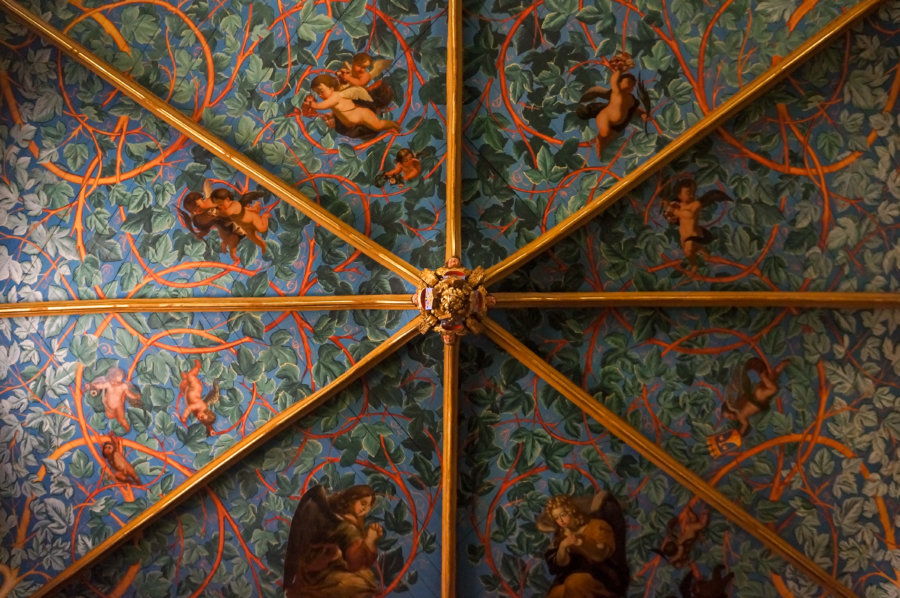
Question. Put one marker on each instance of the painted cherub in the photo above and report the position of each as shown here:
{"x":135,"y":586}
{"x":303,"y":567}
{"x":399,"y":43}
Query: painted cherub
{"x":233,"y":219}
{"x":684,"y":210}
{"x":408,"y":167}
{"x":360,"y":72}
{"x":614,"y":115}
{"x":744,"y":398}
{"x":351,"y":108}
{"x":115,"y":390}
{"x":122,"y":470}
{"x":693,"y":586}
{"x":587,"y":555}
{"x":682,"y":532}
{"x":245,"y":216}
{"x":198,"y":405}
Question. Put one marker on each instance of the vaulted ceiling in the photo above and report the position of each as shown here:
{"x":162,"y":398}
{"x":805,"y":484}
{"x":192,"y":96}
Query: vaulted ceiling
{"x":741,"y":360}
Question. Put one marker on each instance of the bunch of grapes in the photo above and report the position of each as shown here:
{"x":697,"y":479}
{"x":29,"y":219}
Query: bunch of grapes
{"x":621,"y":62}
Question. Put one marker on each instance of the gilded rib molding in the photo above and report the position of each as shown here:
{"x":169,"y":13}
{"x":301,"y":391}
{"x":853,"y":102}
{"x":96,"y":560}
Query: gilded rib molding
{"x":454,"y":130}
{"x":663,"y":460}
{"x":231,"y":156}
{"x":682,"y":143}
{"x":232,"y":456}
{"x":205,"y":304}
{"x":450,"y":459}
{"x":693,"y":299}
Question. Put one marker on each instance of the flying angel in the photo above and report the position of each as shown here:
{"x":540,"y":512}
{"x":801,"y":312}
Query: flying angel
{"x":331,"y":550}
{"x":620,"y":107}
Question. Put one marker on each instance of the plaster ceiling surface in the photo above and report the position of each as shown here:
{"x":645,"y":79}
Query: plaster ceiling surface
{"x":646,"y":401}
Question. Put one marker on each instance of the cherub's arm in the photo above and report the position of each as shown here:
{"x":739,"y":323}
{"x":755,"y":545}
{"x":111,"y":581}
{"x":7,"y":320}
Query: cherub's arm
{"x":395,"y":170}
{"x":614,"y":84}
{"x":101,"y":384}
{"x":131,"y":393}
{"x":329,"y":102}
{"x":362,"y":80}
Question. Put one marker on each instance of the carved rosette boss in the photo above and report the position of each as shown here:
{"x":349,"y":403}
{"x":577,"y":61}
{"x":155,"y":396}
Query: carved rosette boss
{"x":452,"y":300}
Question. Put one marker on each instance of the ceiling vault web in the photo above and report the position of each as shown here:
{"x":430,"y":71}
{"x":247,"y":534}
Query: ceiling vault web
{"x":653,"y":453}
{"x":503,"y":338}
{"x":231,"y":156}
{"x":232,"y":456}
{"x":706,"y":125}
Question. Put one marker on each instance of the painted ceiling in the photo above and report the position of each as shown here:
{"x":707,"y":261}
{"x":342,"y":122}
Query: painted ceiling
{"x":800,"y":187}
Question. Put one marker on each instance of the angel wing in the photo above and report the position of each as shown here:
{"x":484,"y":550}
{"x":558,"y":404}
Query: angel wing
{"x":741,"y":386}
{"x":379,"y":66}
{"x":312,"y":523}
{"x":354,"y":92}
{"x":605,"y":506}
{"x":212,"y":397}
{"x":644,"y":98}
{"x":714,"y":196}
{"x":251,"y":196}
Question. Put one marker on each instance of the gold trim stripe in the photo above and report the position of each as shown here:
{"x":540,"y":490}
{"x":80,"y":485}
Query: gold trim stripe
{"x":663,"y":460}
{"x":450,"y":442}
{"x":694,"y":299}
{"x":232,"y":456}
{"x":206,"y":304}
{"x":216,"y":146}
{"x":682,"y":143}
{"x":454,"y":129}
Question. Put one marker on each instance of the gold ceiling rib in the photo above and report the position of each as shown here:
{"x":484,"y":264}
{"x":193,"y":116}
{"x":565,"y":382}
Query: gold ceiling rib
{"x":232,"y":456}
{"x":205,"y":304}
{"x":231,"y":156}
{"x":682,"y":143}
{"x":449,"y":460}
{"x":453,"y":192}
{"x":809,"y":300}
{"x":663,"y":460}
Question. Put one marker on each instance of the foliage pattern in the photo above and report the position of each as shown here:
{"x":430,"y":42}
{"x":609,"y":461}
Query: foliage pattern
{"x":529,"y":163}
{"x":811,"y":169}
{"x":820,"y":465}
{"x":230,"y":539}
{"x":59,"y":496}
{"x":89,"y":190}
{"x":526,"y":443}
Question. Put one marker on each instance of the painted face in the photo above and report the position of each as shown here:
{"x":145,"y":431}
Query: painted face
{"x":359,"y":69}
{"x":561,"y":516}
{"x":626,"y":84}
{"x":361,"y":506}
{"x":323,"y":91}
{"x":685,"y":194}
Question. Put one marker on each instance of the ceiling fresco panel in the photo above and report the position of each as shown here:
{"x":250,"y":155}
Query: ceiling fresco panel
{"x":310,"y":444}
{"x":95,"y":205}
{"x":101,"y":416}
{"x":538,"y":74}
{"x":232,"y":538}
{"x":525,"y":447}
{"x":798,"y":193}
{"x":791,"y":414}
{"x":243,"y":71}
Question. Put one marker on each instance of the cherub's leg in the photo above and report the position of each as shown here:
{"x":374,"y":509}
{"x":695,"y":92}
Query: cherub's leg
{"x":603,"y":125}
{"x":259,"y":241}
{"x":120,"y":417}
{"x":368,"y":118}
